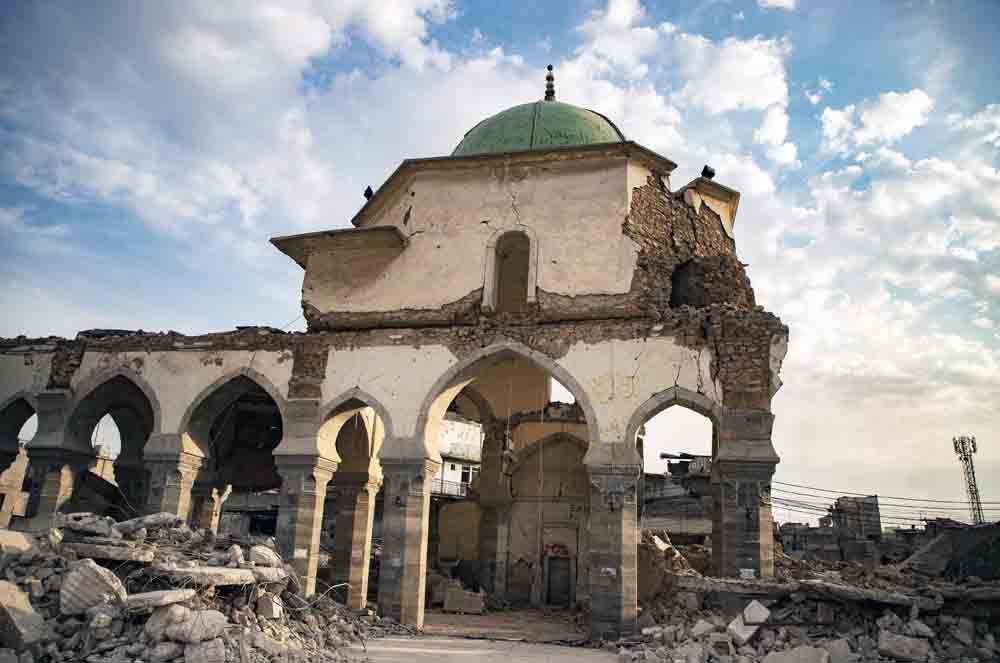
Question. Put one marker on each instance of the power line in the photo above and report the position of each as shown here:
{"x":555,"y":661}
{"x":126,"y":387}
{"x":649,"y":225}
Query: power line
{"x":914,"y":507}
{"x":888,"y":497}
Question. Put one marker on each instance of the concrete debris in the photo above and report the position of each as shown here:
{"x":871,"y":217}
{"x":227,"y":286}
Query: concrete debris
{"x":458,"y":599}
{"x":20,"y":625}
{"x":166,"y":595}
{"x":817,"y":612}
{"x":15,"y":542}
{"x":87,"y":585}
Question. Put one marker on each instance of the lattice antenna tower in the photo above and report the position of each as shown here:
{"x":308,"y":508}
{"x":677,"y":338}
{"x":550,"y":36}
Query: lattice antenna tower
{"x":965,"y":449}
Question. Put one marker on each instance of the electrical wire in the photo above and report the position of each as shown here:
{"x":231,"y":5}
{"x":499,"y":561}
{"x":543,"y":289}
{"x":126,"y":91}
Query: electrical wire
{"x":881,"y":497}
{"x":916,"y":508}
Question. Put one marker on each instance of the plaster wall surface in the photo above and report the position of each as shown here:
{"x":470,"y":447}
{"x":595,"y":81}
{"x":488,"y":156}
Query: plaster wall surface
{"x":620,"y":375}
{"x":26,"y":372}
{"x":178,"y":378}
{"x":450,"y":217}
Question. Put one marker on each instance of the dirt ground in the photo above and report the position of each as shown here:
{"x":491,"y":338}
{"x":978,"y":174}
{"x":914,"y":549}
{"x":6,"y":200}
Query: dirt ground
{"x":432,"y":649}
{"x":540,"y":626}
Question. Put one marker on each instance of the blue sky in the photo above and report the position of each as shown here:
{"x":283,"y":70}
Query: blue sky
{"x":148,"y":150}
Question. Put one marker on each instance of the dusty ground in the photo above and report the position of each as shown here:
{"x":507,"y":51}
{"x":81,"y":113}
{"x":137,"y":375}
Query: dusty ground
{"x":538,"y":626}
{"x":431,"y":648}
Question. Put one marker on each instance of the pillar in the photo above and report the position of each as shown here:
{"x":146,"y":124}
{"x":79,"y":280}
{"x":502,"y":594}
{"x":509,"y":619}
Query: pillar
{"x":352,"y":539}
{"x":208,"y":506}
{"x":742,"y":527}
{"x":613,"y":538}
{"x":133,"y":483}
{"x":494,"y":536}
{"x":171,"y":480}
{"x":55,"y":459}
{"x":403,"y":571}
{"x":300,"y":512}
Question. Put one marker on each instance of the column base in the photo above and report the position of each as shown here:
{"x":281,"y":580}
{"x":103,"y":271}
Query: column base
{"x":171,"y":479}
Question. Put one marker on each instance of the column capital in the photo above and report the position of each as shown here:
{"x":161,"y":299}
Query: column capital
{"x":297,"y":471}
{"x":414,"y":466}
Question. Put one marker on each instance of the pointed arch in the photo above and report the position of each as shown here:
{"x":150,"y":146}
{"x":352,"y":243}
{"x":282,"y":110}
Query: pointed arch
{"x":675,"y":395}
{"x":15,"y":411}
{"x":94,"y":381}
{"x":528,"y":451}
{"x":254,"y":376}
{"x":358,"y":394}
{"x":461,"y":373}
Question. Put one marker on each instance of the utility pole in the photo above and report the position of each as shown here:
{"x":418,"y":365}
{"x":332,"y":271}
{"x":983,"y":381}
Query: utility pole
{"x":965,"y":448}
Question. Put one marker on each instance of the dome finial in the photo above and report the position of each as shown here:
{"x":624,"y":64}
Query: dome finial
{"x":550,"y":85}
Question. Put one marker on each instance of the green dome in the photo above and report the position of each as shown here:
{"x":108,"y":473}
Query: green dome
{"x":538,"y":126}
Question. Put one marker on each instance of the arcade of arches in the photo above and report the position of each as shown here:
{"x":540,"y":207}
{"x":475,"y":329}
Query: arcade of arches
{"x":466,"y":285}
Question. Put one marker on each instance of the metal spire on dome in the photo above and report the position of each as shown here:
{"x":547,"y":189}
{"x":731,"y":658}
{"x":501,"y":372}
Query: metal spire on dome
{"x":550,"y":85}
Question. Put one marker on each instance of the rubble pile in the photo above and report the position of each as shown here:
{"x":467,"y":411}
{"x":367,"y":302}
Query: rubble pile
{"x":822,"y":612}
{"x":152,"y":590}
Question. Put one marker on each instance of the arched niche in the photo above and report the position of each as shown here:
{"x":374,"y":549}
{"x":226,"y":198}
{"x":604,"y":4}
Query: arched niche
{"x":511,"y":278}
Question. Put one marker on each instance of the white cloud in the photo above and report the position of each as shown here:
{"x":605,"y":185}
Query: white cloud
{"x":776,"y":4}
{"x":815,"y":96}
{"x":985,"y":122}
{"x":992,"y":283}
{"x":983,"y":323}
{"x":733,"y":74}
{"x":885,"y":120}
{"x":772,"y":133}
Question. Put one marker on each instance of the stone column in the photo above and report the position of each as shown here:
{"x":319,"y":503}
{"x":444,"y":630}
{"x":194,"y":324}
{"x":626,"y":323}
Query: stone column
{"x":208,"y":506}
{"x":300,"y":512}
{"x":742,"y":527}
{"x":403,"y":570}
{"x":171,"y":479}
{"x":352,"y":539}
{"x":614,"y":537}
{"x":133,"y":482}
{"x":494,"y":535}
{"x":54,"y":459}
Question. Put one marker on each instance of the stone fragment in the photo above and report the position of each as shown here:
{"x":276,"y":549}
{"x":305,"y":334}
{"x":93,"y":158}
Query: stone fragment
{"x":745,"y":625}
{"x":198,"y":626}
{"x":701,"y":627}
{"x":121,"y":553}
{"x":798,"y":655}
{"x":264,"y":556}
{"x":457,"y":599}
{"x":720,"y":644}
{"x":269,"y":606}
{"x":8,"y":656}
{"x":86,"y":523}
{"x":212,"y":651}
{"x":266,"y":574}
{"x":152,"y":521}
{"x":236,"y":555}
{"x":208,"y":575}
{"x":267,"y":645}
{"x":689,"y":601}
{"x":902,"y":647}
{"x":919,"y":629}
{"x":839,"y":650}
{"x":15,"y":542}
{"x":156,"y":625}
{"x":825,"y":613}
{"x":147,"y":601}
{"x":88,"y":584}
{"x":20,"y":625}
{"x":690,"y":653}
{"x":165,"y":651}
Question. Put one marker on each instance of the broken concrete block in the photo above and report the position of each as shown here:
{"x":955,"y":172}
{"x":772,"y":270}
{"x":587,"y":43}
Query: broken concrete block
{"x":156,"y":625}
{"x":208,"y":575}
{"x":20,"y":625}
{"x":269,"y":606}
{"x":236,"y":555}
{"x":701,"y":627}
{"x":720,"y":644}
{"x":798,"y":655}
{"x":88,"y":584}
{"x":457,"y":599}
{"x":198,"y":626}
{"x":165,"y":651}
{"x":268,"y":646}
{"x":919,"y":629}
{"x":85,"y":523}
{"x":902,"y":647}
{"x":148,"y":601}
{"x":15,"y":542}
{"x":266,"y":574}
{"x":212,"y":651}
{"x":745,"y":625}
{"x":691,"y":653}
{"x":839,"y":650}
{"x":152,"y":521}
{"x":120,"y":553}
{"x":264,"y":556}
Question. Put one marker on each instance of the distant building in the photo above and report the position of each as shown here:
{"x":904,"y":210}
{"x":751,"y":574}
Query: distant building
{"x":461,"y":448}
{"x":857,"y":517}
{"x":680,"y":501}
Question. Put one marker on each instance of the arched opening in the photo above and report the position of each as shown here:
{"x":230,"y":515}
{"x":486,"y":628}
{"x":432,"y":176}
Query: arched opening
{"x":115,"y":420}
{"x":353,"y":506}
{"x":236,"y":427}
{"x":512,"y":272}
{"x":519,"y":530}
{"x":18,"y":424}
{"x":677,"y":439}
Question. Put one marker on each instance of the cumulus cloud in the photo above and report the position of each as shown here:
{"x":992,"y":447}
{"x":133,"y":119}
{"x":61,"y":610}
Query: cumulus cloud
{"x":777,"y":4}
{"x":884,"y":120}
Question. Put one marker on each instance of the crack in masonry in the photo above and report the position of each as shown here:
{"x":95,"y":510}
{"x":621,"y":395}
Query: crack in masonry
{"x":513,"y":207}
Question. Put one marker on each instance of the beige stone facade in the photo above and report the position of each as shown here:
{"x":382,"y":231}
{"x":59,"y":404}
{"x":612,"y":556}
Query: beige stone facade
{"x":466,"y":285}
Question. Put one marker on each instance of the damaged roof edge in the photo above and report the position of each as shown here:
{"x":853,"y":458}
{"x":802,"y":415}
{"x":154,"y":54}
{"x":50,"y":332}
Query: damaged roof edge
{"x":628,"y":148}
{"x":297,"y":247}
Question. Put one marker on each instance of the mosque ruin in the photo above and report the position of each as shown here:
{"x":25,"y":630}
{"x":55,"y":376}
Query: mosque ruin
{"x":546,"y":246}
